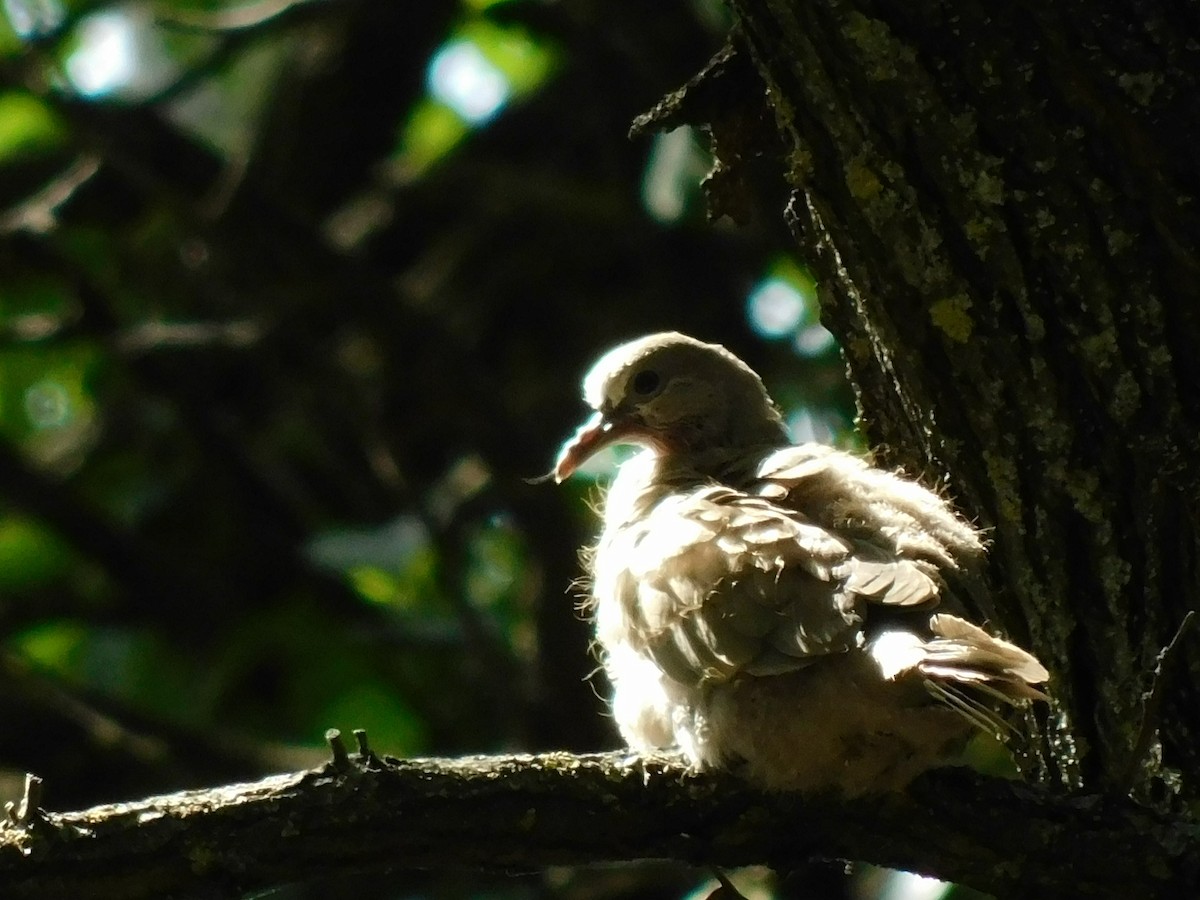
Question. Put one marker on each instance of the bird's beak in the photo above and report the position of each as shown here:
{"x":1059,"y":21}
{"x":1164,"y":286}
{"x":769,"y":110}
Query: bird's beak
{"x":593,"y":435}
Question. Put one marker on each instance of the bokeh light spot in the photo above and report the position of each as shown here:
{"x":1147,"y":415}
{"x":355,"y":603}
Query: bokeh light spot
{"x":673,"y":172}
{"x":462,"y":77}
{"x":34,"y":18}
{"x":48,"y":404}
{"x":107,"y":56}
{"x":805,"y":426}
{"x":910,"y":886}
{"x":775,"y":307}
{"x":814,"y":340}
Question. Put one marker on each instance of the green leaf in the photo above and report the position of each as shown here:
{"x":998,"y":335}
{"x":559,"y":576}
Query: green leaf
{"x":525,"y":61}
{"x":30,"y":553}
{"x":432,"y":130}
{"x":27,"y":126}
{"x":10,"y":44}
{"x":57,"y":647}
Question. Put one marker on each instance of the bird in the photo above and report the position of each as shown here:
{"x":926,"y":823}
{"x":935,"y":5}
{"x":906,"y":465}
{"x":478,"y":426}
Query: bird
{"x":770,"y":608}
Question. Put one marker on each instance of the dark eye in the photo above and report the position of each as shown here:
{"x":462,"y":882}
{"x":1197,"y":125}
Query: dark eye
{"x":645,"y":382}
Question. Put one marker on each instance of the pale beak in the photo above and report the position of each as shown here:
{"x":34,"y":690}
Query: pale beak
{"x":593,"y":435}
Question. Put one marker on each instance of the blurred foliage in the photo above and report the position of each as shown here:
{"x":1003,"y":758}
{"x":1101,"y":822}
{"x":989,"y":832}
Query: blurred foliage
{"x":27,"y":127}
{"x":296,"y":296}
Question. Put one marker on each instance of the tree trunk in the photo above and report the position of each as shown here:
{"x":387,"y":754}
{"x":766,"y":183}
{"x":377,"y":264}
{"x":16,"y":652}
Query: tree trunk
{"x":1000,"y":203}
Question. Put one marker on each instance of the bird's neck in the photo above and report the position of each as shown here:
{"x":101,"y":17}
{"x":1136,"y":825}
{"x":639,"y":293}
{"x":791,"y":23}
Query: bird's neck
{"x":734,"y":466}
{"x":733,"y":461}
{"x":644,"y":479}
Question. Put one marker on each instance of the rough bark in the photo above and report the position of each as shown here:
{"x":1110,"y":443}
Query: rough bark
{"x":1000,"y":203}
{"x":362,"y":814}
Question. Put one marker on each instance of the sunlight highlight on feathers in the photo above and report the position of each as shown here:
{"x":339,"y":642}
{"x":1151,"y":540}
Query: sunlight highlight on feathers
{"x":769,"y":605}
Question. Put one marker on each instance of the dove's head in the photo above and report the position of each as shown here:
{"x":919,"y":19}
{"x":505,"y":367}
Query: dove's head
{"x":677,"y":395}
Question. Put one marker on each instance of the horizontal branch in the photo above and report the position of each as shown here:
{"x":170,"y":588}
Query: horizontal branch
{"x":359,"y":813}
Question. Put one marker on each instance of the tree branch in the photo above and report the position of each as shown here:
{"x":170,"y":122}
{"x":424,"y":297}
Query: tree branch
{"x":359,"y":813}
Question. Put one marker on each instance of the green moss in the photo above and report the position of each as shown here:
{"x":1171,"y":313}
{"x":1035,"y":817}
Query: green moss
{"x":951,"y":316}
{"x":863,"y":183}
{"x":878,"y":46}
{"x":800,"y":167}
{"x":1100,"y":349}
{"x":1002,"y":473}
{"x":1126,"y":397}
{"x":1140,"y":86}
{"x":978,"y":230}
{"x":1083,"y":487}
{"x":859,"y":348}
{"x":989,"y":188}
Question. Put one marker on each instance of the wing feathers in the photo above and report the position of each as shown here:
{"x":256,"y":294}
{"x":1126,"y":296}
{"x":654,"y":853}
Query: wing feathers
{"x":770,"y":579}
{"x":724,"y":577}
{"x":850,"y":495}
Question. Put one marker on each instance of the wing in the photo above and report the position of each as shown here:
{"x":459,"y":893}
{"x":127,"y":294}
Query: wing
{"x":723,"y":582}
{"x":842,"y":492}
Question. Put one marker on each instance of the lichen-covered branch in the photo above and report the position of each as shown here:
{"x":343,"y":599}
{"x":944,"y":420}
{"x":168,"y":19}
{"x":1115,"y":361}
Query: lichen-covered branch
{"x":360,"y":813}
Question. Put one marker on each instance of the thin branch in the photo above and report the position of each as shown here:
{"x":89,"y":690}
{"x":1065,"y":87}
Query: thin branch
{"x":1152,"y":702}
{"x":150,"y":336}
{"x":39,"y":213}
{"x":363,"y":814}
{"x":235,"y":18}
{"x":236,"y":29}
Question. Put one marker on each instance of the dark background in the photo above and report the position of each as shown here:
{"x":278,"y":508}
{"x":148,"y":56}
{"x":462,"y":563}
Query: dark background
{"x":282,"y":334}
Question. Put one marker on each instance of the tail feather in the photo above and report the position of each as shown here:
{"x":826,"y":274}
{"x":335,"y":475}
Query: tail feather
{"x":977,"y":713}
{"x":964,"y":667}
{"x":960,"y":640}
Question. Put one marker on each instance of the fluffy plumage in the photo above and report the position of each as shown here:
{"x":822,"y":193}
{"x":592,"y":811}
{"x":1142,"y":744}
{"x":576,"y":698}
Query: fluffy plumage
{"x":767,"y":606}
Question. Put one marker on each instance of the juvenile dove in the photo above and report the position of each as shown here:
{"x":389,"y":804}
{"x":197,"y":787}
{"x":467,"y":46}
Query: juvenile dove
{"x":766,"y":607}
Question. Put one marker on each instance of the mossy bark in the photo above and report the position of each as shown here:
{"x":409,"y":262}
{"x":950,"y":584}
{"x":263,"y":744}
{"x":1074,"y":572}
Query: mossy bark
{"x":1000,"y":202}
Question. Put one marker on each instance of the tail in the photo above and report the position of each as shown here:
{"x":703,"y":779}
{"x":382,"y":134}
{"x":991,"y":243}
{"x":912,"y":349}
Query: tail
{"x":965,"y":668}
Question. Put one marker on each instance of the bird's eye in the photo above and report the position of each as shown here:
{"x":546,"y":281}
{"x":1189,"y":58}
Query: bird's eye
{"x":645,"y":382}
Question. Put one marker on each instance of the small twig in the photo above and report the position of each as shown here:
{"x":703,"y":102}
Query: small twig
{"x":727,"y":890}
{"x":31,"y":801}
{"x":233,"y":30}
{"x":39,"y":213}
{"x":341,"y":759}
{"x":28,"y":811}
{"x":1152,"y":702}
{"x":236,"y":18}
{"x":360,"y":737}
{"x":155,"y":336}
{"x":33,"y":328}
